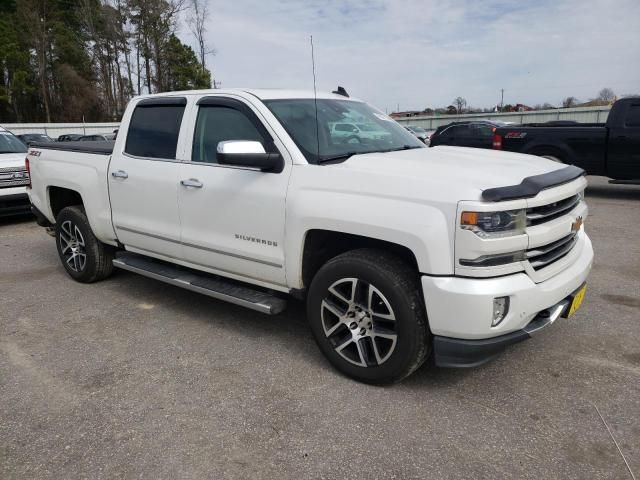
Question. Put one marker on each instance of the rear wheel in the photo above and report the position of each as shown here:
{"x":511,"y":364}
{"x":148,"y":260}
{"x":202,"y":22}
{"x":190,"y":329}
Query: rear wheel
{"x":83,"y":256}
{"x":367,"y":316}
{"x":553,"y":158}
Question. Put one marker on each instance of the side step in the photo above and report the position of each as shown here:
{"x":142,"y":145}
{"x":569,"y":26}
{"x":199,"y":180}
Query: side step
{"x":201,"y":282}
{"x":624,"y":182}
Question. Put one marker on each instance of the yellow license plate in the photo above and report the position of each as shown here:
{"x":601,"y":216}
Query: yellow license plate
{"x":578,"y":297}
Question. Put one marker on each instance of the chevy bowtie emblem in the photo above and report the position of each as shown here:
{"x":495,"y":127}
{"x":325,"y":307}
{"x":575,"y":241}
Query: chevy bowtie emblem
{"x":575,"y":226}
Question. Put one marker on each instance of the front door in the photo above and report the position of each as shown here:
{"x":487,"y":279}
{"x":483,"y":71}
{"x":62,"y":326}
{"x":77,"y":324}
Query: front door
{"x":233,"y":217}
{"x":623,"y":152}
{"x":144,"y":180}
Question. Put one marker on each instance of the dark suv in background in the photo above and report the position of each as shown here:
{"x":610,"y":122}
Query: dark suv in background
{"x":476,"y":133}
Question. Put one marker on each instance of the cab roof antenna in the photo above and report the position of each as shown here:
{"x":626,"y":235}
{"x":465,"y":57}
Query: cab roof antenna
{"x":341,"y":91}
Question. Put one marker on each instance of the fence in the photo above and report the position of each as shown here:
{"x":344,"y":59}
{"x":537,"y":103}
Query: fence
{"x":578,"y":114}
{"x":54,"y":130}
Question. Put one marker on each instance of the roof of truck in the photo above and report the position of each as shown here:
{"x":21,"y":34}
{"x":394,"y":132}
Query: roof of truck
{"x":261,"y":93}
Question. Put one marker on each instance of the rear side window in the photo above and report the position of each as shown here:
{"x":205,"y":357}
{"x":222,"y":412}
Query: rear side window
{"x":154,"y":128}
{"x":633,"y":116}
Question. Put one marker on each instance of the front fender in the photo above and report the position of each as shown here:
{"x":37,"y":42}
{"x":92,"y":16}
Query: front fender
{"x":422,"y":228}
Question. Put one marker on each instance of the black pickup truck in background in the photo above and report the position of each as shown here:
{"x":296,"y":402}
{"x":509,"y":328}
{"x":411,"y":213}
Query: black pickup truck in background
{"x":611,"y":150}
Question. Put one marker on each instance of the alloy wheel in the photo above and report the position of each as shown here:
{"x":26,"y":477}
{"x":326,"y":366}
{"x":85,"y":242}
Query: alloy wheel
{"x":72,"y":246}
{"x":359,"y":322}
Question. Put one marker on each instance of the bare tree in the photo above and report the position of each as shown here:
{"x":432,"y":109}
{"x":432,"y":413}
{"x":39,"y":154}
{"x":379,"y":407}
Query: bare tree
{"x":460,"y":103}
{"x":569,"y":102}
{"x":606,"y":95}
{"x":198,"y":24}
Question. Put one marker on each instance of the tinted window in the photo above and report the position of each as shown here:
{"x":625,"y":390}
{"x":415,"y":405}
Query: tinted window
{"x":343,"y":127}
{"x":633,"y":116}
{"x":153,"y":131}
{"x":10,"y":144}
{"x":216,"y":124}
{"x":481,"y":130}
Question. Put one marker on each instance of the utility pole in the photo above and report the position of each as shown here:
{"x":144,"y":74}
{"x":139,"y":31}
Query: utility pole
{"x":501,"y":98}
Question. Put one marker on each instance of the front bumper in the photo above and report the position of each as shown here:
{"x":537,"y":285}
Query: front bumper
{"x":455,"y":352}
{"x":14,"y":203}
{"x":460,"y":310}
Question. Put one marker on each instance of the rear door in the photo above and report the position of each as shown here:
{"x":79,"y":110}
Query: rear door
{"x":144,"y":179}
{"x":233,"y":218}
{"x":623,"y":153}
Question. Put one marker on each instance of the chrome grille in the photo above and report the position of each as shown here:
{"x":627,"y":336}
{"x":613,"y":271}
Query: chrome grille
{"x":13,"y":177}
{"x":542,"y":256}
{"x":546,"y":213}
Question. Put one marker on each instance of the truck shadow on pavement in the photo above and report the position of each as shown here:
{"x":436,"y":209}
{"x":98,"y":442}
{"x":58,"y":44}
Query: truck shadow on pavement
{"x":288,"y":331}
{"x":617,"y":192}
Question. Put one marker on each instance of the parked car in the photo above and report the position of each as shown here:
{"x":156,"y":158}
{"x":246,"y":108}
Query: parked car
{"x":399,"y":250}
{"x":70,"y":137}
{"x":13,"y":175}
{"x":29,"y":138}
{"x":419,"y":132}
{"x":100,"y":137}
{"x":611,"y":149}
{"x":476,"y":133}
{"x":358,"y":132}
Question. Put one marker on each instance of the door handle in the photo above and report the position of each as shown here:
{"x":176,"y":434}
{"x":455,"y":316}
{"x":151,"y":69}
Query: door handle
{"x":192,"y":182}
{"x":119,"y":174}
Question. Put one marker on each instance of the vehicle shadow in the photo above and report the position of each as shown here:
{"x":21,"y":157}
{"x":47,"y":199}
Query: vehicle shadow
{"x":609,"y":191}
{"x":17,"y":219}
{"x":289,"y":330}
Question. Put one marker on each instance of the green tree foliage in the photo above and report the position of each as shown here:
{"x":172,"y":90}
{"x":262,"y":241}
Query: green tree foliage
{"x":74,"y":60}
{"x":184,"y":71}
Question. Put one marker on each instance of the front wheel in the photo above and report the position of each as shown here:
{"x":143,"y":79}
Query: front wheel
{"x":83,"y":256}
{"x":368,"y":317}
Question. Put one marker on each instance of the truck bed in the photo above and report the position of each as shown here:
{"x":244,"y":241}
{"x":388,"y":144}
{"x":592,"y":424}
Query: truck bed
{"x":98,"y":148}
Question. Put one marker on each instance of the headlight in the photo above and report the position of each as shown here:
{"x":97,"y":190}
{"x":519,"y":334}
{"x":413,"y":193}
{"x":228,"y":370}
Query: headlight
{"x":494,"y":224}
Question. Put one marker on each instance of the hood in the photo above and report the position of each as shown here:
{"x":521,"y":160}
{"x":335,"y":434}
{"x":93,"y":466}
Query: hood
{"x":12,"y":159}
{"x":454,"y":173}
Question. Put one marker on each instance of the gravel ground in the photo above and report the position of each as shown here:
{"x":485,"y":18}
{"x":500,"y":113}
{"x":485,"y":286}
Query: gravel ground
{"x":131,"y":378}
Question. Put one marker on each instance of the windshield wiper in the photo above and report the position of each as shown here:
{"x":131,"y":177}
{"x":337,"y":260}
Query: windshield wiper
{"x":404,"y":147}
{"x":342,"y":156}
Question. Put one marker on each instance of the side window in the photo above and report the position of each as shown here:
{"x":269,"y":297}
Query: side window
{"x":464,"y":131}
{"x":216,"y":124}
{"x":633,"y":116}
{"x":480,"y":130}
{"x":153,"y":130}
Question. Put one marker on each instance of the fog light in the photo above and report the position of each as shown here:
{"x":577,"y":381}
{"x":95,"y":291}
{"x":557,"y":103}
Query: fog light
{"x":500,"y":310}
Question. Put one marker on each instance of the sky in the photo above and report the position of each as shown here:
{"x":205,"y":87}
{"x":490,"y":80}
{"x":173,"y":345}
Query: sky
{"x":414,"y":54}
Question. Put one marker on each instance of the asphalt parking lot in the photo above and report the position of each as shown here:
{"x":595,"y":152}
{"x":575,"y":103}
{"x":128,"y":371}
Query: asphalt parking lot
{"x":130,"y":378}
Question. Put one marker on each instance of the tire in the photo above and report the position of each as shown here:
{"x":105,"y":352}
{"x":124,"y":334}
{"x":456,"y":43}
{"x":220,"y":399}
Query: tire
{"x":552,"y":158}
{"x":356,"y":332}
{"x":83,"y":256}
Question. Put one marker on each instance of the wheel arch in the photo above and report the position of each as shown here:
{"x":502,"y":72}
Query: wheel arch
{"x":61,"y":197}
{"x":562,"y":152}
{"x":321,"y":245}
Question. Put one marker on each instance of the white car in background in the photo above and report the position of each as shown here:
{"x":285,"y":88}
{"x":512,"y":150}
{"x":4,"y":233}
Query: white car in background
{"x":358,"y":133}
{"x":13,"y":175}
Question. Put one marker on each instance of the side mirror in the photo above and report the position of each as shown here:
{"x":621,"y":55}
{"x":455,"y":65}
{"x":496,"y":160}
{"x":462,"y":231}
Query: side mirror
{"x":246,"y":153}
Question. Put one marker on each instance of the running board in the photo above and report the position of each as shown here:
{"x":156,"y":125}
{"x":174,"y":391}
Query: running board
{"x":210,"y":285}
{"x":624,"y":182}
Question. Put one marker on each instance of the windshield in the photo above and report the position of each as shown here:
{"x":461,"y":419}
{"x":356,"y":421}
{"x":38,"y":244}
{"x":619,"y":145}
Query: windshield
{"x":418,"y":129}
{"x":335,"y":134}
{"x":10,"y":144}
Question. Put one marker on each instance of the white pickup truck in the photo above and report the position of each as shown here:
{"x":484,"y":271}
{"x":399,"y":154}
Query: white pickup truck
{"x":401,"y":251}
{"x":13,"y":176}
